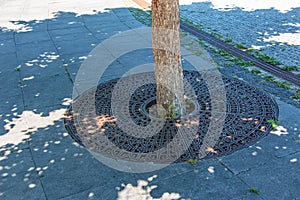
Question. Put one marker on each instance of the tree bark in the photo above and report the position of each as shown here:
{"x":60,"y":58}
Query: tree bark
{"x":166,"y":52}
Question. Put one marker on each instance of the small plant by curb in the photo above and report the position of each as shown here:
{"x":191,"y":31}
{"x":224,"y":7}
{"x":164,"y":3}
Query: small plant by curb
{"x":297,"y":94}
{"x":273,"y":123}
{"x":255,"y":71}
{"x":223,"y":52}
{"x":269,"y":78}
{"x":240,"y":46}
{"x":266,"y":58}
{"x":254,"y":190}
{"x":283,"y":84}
{"x":192,"y":161}
{"x":290,"y":68}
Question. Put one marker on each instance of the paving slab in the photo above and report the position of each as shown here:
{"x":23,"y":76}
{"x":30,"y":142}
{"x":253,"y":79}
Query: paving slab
{"x":111,"y":29}
{"x":33,"y":25}
{"x":121,"y":46}
{"x":71,"y":22}
{"x":16,"y":161}
{"x":133,"y":24}
{"x":142,"y":56}
{"x":72,"y":69}
{"x":28,"y":187}
{"x":10,"y":108}
{"x":8,"y":62}
{"x":68,"y":30}
{"x":115,"y":70}
{"x":73,"y":37}
{"x":75,"y":58}
{"x":28,"y":37}
{"x":7,"y":46}
{"x":208,"y":180}
{"x":18,"y":167}
{"x":101,"y":36}
{"x":277,"y":179}
{"x":10,"y":85}
{"x":276,"y":145}
{"x":122,"y":12}
{"x":6,"y":35}
{"x":35,"y":51}
{"x":65,"y":162}
{"x":99,"y":192}
{"x":77,"y":46}
{"x":99,"y":18}
{"x":103,"y":22}
{"x":49,"y":65}
{"x":42,"y":92}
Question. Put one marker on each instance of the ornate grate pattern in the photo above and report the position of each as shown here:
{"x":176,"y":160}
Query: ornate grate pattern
{"x":247,"y":112}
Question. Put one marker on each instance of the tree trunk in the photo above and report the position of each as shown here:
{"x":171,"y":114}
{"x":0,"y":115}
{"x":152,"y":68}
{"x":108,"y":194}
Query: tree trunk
{"x":167,"y":59}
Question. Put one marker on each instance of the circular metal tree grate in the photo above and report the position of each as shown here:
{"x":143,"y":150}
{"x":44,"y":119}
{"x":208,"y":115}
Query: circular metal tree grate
{"x":248,"y":110}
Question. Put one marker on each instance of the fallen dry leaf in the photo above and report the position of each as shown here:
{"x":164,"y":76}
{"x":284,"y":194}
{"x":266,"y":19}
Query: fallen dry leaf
{"x":262,"y":128}
{"x":211,"y":150}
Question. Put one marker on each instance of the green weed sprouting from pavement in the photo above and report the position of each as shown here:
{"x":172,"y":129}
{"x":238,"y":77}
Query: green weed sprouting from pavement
{"x":228,"y":40}
{"x":241,"y":62}
{"x":183,"y":34}
{"x":290,"y":68}
{"x":240,"y":46}
{"x":192,"y":161}
{"x":255,"y":71}
{"x":269,"y":78}
{"x":224,"y":53}
{"x":297,"y":94}
{"x":217,"y":35}
{"x":273,"y":123}
{"x":198,"y":53}
{"x":254,"y":190}
{"x":283,"y":84}
{"x":266,"y":58}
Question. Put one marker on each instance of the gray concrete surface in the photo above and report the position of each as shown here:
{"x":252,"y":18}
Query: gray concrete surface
{"x":39,"y":160}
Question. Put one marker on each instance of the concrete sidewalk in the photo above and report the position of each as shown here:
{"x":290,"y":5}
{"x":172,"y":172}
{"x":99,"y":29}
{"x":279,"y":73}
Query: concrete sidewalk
{"x":40,"y":54}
